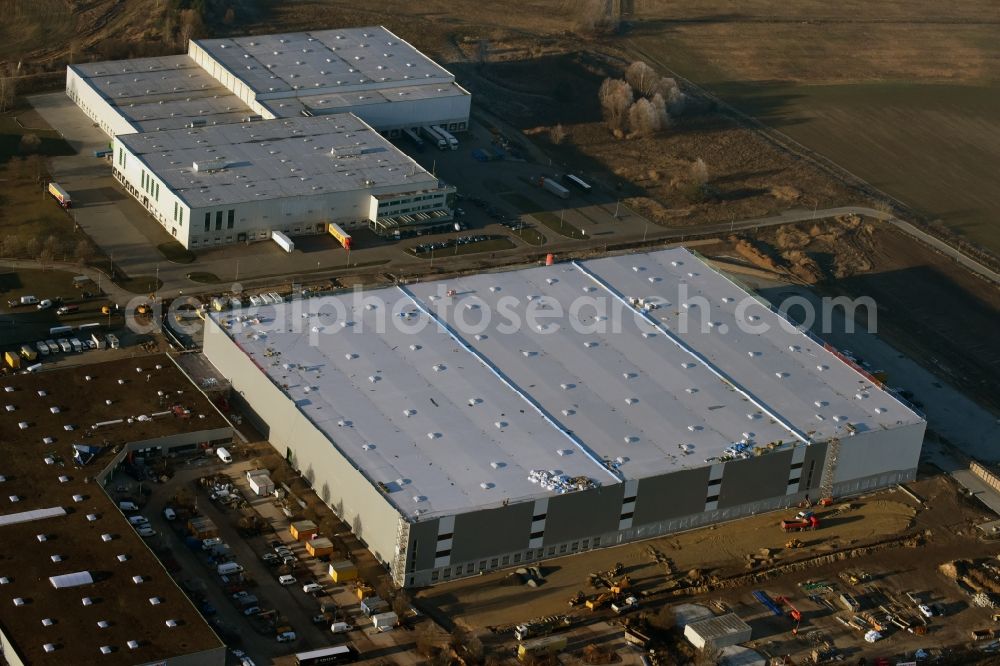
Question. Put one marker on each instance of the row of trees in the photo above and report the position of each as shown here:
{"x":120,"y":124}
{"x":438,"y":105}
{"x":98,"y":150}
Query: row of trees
{"x":642,"y":103}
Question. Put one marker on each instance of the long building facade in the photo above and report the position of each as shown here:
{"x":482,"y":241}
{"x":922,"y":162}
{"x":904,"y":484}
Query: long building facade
{"x":471,"y":512}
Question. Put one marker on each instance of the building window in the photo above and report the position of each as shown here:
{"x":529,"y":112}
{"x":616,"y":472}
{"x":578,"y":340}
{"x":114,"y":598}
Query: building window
{"x":434,"y":576}
{"x":552,"y":550}
{"x":469,"y":568}
{"x":493,"y":563}
{"x":208,"y":221}
{"x":218,"y":220}
{"x":540,"y":516}
{"x":175,"y":211}
{"x":506,"y":560}
{"x":712,"y":498}
{"x":538,"y":535}
{"x":575,"y":547}
{"x":443,"y":553}
{"x":597,"y":541}
{"x":447,"y":573}
{"x":231,"y":219}
{"x":517,"y":557}
{"x":443,"y":537}
{"x":626,"y":516}
{"x":482,"y":564}
{"x":562,"y":548}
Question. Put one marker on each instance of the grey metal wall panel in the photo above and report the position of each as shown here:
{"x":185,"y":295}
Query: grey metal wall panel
{"x":755,"y":479}
{"x":423,"y":536}
{"x":671,"y":496}
{"x":483,"y":534}
{"x":812,"y":467}
{"x":583,"y":513}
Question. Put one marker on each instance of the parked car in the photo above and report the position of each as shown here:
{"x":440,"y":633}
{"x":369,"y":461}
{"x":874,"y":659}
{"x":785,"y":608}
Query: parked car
{"x":925,"y":610}
{"x":286,"y":637}
{"x":286,"y":579}
{"x":146,"y":532}
{"x":240,"y":594}
{"x":169,"y":513}
{"x":270,"y":559}
{"x":312,"y":588}
{"x":138,"y":520}
{"x":44,"y":304}
{"x":252,"y":610}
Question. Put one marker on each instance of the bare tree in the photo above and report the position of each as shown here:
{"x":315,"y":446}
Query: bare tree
{"x":557,"y":134}
{"x":699,"y":172}
{"x":642,"y":120}
{"x":192,"y":26}
{"x":83,"y":251}
{"x":643,"y":78}
{"x":230,"y":16}
{"x":708,"y":656}
{"x":672,"y":95}
{"x":595,"y":16}
{"x":29,"y":144}
{"x":8,"y":90}
{"x":660,"y":108}
{"x":13,"y":246}
{"x":401,"y":604}
{"x":616,"y":98}
{"x":426,"y":643}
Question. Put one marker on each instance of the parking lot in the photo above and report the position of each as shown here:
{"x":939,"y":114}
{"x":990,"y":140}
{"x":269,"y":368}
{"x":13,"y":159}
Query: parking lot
{"x":247,"y":607}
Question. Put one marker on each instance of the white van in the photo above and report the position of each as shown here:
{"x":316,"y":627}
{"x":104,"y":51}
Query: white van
{"x":128,"y":506}
{"x":340,"y":627}
{"x":224,"y":455}
{"x":228,"y":568}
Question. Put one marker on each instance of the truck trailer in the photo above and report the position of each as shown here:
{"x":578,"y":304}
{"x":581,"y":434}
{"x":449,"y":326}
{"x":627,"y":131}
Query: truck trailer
{"x":435,"y":138}
{"x":553,"y":187}
{"x":283,"y":241}
{"x":60,"y":195}
{"x":446,"y":135}
{"x":541,"y":647}
{"x":338,"y":232}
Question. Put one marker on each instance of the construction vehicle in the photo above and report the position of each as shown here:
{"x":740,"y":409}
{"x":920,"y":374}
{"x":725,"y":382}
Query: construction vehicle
{"x":854,"y":577}
{"x":793,"y":613}
{"x":577,"y":599}
{"x":541,"y":627}
{"x":600,"y":601}
{"x":805,"y":520}
{"x":60,"y":195}
{"x":794,"y":543}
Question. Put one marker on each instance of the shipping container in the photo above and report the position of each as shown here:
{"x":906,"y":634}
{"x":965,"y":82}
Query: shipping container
{"x":12,"y":359}
{"x":541,"y":647}
{"x":28,"y":353}
{"x":385,"y":621}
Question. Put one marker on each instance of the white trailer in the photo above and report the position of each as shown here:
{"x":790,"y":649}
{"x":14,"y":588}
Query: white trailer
{"x":385,"y":621}
{"x":260,"y":482}
{"x":446,"y":135}
{"x":283,"y":241}
{"x":435,"y":138}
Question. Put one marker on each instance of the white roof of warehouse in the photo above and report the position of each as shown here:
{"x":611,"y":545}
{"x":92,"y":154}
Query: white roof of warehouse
{"x":270,"y":159}
{"x":342,"y":59}
{"x":163,"y":93}
{"x":557,"y":394}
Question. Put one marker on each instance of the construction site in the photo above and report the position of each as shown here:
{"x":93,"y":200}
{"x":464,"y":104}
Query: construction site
{"x":882,"y":563}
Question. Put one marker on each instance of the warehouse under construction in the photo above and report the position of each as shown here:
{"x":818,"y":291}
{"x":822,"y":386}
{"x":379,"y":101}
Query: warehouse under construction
{"x":497,"y":419}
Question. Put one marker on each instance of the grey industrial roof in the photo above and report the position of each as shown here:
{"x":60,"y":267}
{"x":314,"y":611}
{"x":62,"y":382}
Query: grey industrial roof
{"x":717,"y":627}
{"x":270,"y":159}
{"x":631,"y":401}
{"x":163,"y":93}
{"x":344,"y":59}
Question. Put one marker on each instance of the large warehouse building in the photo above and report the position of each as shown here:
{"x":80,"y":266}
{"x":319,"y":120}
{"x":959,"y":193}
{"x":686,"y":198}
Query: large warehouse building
{"x":240,"y":182}
{"x":366,"y":71}
{"x":240,"y":138}
{"x":496,"y":419}
{"x":78,"y":585}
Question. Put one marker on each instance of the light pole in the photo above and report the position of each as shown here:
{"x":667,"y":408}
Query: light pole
{"x":645,"y":230}
{"x":237,"y":278}
{"x":617,"y":204}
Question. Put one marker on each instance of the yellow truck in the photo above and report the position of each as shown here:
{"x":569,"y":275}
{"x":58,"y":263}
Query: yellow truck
{"x":60,"y":195}
{"x":541,"y":647}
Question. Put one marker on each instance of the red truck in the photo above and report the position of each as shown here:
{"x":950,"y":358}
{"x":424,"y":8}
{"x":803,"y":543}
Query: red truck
{"x":805,"y":520}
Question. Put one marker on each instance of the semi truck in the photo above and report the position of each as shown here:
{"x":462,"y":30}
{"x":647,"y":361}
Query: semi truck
{"x":60,"y":195}
{"x":435,"y":138}
{"x":283,"y":241}
{"x":446,"y":135}
{"x":338,"y":232}
{"x":553,"y":187}
{"x":415,"y":138}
